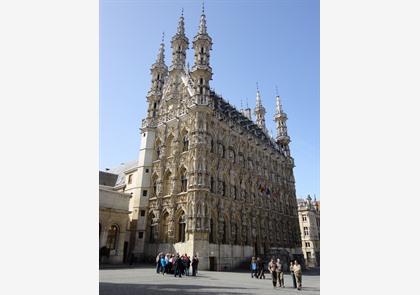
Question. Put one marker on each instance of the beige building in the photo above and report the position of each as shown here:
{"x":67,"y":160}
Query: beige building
{"x":309,"y":220}
{"x":113,"y":220}
{"x":209,"y":180}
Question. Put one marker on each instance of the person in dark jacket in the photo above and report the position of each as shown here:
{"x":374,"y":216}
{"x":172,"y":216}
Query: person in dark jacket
{"x":177,"y":266}
{"x":187,"y":265}
{"x":260,"y":268}
{"x":194,"y":265}
{"x":158,"y":266}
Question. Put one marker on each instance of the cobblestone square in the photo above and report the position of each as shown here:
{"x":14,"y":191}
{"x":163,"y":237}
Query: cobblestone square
{"x":144,"y":280}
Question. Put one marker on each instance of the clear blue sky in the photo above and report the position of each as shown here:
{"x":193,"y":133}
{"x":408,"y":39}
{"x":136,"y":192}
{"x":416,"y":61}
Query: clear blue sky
{"x":273,"y":42}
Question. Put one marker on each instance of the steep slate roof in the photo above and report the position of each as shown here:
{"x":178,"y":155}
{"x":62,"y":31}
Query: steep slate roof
{"x":119,"y":170}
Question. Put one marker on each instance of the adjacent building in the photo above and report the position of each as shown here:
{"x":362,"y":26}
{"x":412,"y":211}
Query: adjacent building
{"x":309,"y":220}
{"x":113,"y":219}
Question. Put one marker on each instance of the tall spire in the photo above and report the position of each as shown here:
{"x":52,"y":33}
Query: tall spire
{"x":160,"y":59}
{"x":201,"y":71}
{"x":278,"y":105}
{"x":179,"y":45}
{"x":181,"y":27}
{"x":161,"y":55}
{"x":259,"y":103}
{"x":280,"y":118}
{"x":260,"y":112}
{"x":203,"y":26}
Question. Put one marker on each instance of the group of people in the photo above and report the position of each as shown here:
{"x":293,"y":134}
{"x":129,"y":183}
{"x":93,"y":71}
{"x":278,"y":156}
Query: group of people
{"x":277,"y":270}
{"x":176,"y":264}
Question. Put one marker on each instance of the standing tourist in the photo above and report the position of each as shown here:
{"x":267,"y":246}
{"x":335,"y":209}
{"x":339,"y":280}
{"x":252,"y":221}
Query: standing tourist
{"x":292,"y":274}
{"x":253,"y":268}
{"x":163,"y":264}
{"x":171,"y":263}
{"x":194,"y":265}
{"x":167,"y":267}
{"x":280,"y":275}
{"x":272,"y":268}
{"x":177,"y":266}
{"x":187,"y":265}
{"x":297,"y":269}
{"x":158,"y":262}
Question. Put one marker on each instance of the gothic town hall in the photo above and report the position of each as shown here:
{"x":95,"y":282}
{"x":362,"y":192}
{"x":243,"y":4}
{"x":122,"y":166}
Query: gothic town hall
{"x":209,"y":180}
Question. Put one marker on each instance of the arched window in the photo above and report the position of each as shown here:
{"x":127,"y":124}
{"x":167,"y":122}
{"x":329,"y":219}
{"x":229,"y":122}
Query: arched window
{"x":224,"y":240}
{"x":212,"y":146}
{"x":223,"y":188}
{"x":168,"y":146}
{"x":185,"y":143}
{"x":184,"y":181}
{"x":235,"y":229}
{"x":165,"y":224}
{"x":211,"y":184}
{"x":167,"y":183}
{"x":154,"y":186}
{"x":157,"y":152}
{"x":221,"y":150}
{"x":181,"y":228}
{"x":231,"y":155}
{"x":245,"y":230}
{"x":151,"y":228}
{"x":211,"y":233}
{"x":111,"y":242}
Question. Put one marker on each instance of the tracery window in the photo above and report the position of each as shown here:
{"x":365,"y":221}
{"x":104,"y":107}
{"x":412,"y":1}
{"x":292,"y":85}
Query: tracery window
{"x":185,"y":143}
{"x":231,"y":155}
{"x":221,"y":150}
{"x":181,"y":228}
{"x":165,"y":226}
{"x":113,"y":232}
{"x":184,"y":180}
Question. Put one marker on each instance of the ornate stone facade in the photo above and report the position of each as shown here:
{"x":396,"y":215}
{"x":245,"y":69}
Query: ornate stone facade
{"x":210,"y":180}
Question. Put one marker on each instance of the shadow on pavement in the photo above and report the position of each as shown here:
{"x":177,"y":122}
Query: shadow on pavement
{"x":138,"y":289}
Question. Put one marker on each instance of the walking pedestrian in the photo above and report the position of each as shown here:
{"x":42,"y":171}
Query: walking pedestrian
{"x":280,"y":274}
{"x":297,"y":269}
{"x":272,"y":268}
{"x":292,"y":274}
{"x":260,"y":268}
